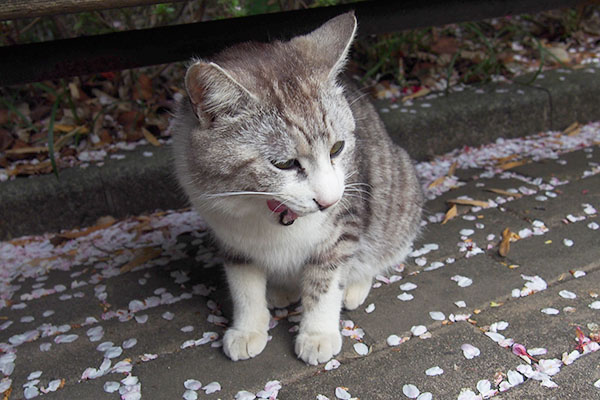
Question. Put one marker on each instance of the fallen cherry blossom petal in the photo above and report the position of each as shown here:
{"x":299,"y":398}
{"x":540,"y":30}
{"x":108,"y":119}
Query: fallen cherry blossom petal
{"x":190,"y":395}
{"x":111,"y":386}
{"x":361,"y":349}
{"x":498,"y":326}
{"x":31,"y":392}
{"x":244,"y":395}
{"x":578,"y":274}
{"x":65,"y":338}
{"x":569,"y":358}
{"x":468,"y":394}
{"x":470,"y":351}
{"x":425,"y":396}
{"x":433,"y":371}
{"x":370,"y":308}
{"x":462,"y":281}
{"x":538,"y":351}
{"x":192,"y":384}
{"x":514,"y":378}
{"x":408,"y":286}
{"x":437,"y":315}
{"x":565,"y":294}
{"x":484,"y":387}
{"x":129,"y":343}
{"x":394,"y":340}
{"x":411,"y":391}
{"x":212,"y":387}
{"x":332,"y":364}
{"x":595,"y":305}
{"x":550,"y":367}
{"x":550,"y":311}
{"x":342,"y":393}
{"x":405,"y":296}
{"x":418,"y":330}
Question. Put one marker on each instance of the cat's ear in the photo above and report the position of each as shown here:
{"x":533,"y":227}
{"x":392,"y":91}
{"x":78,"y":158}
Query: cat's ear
{"x":327,"y":46}
{"x":215,"y":92}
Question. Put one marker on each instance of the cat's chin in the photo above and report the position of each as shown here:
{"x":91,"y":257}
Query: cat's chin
{"x":287,"y":217}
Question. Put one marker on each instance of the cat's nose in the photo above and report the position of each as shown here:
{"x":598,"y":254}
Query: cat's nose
{"x":323,"y":205}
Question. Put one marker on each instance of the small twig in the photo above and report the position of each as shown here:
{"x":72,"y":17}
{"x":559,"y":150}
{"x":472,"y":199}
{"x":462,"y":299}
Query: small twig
{"x":29,"y":26}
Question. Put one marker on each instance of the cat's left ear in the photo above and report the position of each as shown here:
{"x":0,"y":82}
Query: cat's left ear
{"x":214,"y":92}
{"x":327,"y":46}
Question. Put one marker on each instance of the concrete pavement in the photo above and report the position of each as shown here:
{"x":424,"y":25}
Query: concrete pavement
{"x":163,"y":321}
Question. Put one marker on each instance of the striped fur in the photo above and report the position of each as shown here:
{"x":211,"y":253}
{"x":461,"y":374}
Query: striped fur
{"x":256,"y":104}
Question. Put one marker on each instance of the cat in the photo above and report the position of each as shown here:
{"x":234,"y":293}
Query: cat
{"x":294,"y":174}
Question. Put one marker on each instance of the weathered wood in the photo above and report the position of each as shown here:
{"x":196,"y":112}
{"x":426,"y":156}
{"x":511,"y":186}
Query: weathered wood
{"x":17,"y":9}
{"x":122,"y":50}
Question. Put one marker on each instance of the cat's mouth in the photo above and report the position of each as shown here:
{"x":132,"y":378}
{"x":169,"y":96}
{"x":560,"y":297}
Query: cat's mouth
{"x":286,"y":215}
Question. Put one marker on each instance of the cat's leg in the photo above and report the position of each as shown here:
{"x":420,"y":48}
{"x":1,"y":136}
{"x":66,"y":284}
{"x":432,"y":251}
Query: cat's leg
{"x":319,"y":338}
{"x":247,"y":337}
{"x":282,"y":296}
{"x":356,"y":293}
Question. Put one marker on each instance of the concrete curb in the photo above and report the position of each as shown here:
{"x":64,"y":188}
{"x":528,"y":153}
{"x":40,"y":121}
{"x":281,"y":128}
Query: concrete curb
{"x":433,"y":125}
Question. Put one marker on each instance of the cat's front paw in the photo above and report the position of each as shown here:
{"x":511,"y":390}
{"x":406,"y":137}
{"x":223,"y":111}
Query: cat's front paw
{"x":318,"y":347}
{"x":241,"y":345}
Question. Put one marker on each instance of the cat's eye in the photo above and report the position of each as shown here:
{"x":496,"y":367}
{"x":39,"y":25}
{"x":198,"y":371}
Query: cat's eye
{"x":337,"y":148}
{"x":286,"y":164}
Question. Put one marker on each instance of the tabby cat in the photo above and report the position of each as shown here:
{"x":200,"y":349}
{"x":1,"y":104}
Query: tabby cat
{"x":298,"y":181}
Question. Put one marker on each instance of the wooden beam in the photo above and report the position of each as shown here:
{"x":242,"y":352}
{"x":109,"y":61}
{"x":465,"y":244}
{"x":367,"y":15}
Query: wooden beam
{"x":132,"y":49}
{"x":18,"y":9}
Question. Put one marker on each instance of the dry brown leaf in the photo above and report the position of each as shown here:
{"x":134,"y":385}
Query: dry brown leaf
{"x":502,"y":160}
{"x":74,"y":90}
{"x":505,"y":193}
{"x":574,"y":132}
{"x":44,"y":167}
{"x":466,"y":202}
{"x":574,"y":126}
{"x":504,"y":247}
{"x":6,"y":139}
{"x":512,"y":164}
{"x":144,"y":255}
{"x":26,"y":150}
{"x":452,"y":169}
{"x":420,"y":93}
{"x":445,"y":45}
{"x":144,"y":87}
{"x":150,"y":137}
{"x":103,"y":222}
{"x":64,"y":139}
{"x":451,"y":213}
{"x":558,"y":55}
{"x":437,"y":182}
{"x":63,"y":128}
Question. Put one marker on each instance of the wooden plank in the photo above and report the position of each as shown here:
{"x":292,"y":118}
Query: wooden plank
{"x":132,"y":49}
{"x":17,"y":9}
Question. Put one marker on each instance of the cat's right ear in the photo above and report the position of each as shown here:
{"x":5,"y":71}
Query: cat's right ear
{"x":214,"y":92}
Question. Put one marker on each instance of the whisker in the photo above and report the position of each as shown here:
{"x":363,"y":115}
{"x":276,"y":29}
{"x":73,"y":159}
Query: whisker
{"x":359,"y":97}
{"x":354,"y":190}
{"x":242,"y":193}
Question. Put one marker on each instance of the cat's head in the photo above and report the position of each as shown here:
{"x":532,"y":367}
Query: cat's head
{"x":270,"y":119}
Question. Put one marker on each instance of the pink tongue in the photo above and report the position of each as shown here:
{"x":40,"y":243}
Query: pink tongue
{"x":287,"y":215}
{"x":276,"y":206}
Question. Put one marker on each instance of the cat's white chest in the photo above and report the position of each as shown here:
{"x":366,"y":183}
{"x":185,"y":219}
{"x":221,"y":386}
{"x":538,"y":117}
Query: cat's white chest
{"x":279,"y":249}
